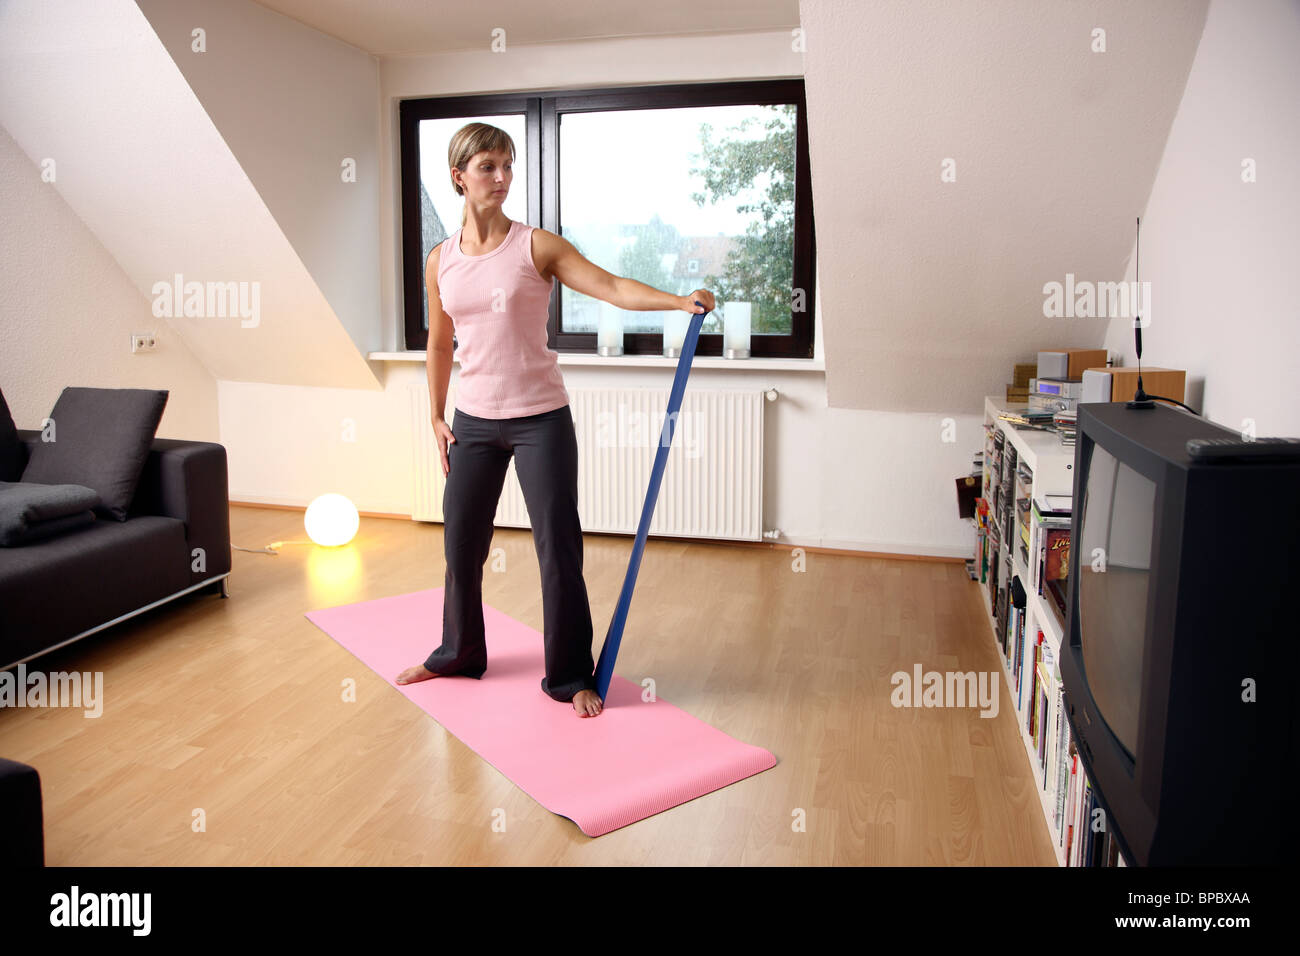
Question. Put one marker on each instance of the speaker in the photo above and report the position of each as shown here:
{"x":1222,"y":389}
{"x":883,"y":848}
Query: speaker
{"x":1119,"y":384}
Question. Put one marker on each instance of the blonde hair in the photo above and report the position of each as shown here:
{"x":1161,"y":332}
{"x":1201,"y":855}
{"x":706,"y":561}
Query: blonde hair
{"x":466,"y":143}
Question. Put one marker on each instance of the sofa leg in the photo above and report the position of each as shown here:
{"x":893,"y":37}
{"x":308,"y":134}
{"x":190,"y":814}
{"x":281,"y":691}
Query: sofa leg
{"x":225,"y":586}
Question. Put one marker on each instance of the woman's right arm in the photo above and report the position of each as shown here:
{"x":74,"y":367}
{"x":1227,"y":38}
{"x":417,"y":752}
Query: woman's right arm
{"x":438,"y":356}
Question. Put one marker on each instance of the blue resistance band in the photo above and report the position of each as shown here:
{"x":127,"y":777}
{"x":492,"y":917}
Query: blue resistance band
{"x":605,"y":666}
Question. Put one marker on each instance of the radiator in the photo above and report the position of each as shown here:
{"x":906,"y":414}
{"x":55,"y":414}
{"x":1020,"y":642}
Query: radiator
{"x":712,"y":486}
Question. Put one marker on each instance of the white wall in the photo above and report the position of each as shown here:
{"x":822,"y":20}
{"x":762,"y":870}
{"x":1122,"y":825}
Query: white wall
{"x":1221,"y":254}
{"x":67,"y":312}
{"x":834,"y":478}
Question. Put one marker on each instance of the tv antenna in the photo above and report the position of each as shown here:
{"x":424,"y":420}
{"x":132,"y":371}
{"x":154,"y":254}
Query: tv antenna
{"x":1140,"y":398}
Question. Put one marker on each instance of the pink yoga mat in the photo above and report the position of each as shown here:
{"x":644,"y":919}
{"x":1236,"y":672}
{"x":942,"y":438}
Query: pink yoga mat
{"x":633,"y":760}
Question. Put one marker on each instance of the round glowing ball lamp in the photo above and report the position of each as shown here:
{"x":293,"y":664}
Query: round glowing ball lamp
{"x":331,"y":520}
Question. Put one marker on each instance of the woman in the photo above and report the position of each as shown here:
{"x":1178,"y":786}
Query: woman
{"x":490,"y":283}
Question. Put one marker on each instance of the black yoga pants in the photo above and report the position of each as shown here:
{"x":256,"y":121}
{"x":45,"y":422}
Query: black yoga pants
{"x":545,"y":449}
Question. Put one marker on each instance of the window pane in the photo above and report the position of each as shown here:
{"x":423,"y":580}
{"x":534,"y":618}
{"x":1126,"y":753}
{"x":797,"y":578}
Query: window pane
{"x":683,"y":199}
{"x":440,"y":206}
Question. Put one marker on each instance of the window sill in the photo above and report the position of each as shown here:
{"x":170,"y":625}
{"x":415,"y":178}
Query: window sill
{"x":644,"y":361}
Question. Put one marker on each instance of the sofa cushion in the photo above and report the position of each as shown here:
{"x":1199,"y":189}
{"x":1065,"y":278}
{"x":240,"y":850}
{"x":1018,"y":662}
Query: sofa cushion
{"x":101,"y":439}
{"x":30,"y":512}
{"x":12,"y":453}
{"x":53,"y":590}
{"x":46,"y":529}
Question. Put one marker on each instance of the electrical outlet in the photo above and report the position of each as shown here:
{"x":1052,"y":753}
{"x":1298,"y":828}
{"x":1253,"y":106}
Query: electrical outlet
{"x":143,"y":342}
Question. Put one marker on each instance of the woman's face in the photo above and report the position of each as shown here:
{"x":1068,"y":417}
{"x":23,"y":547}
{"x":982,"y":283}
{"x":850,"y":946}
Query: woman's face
{"x":486,"y":178}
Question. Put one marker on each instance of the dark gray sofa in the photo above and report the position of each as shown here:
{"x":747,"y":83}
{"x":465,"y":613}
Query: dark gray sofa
{"x":56,"y":591}
{"x":23,"y":842}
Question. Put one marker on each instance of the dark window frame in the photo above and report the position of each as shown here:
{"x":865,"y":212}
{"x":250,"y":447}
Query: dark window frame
{"x":542,"y":111}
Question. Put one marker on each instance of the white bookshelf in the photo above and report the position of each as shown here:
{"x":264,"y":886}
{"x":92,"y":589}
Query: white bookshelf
{"x":1053,"y":468}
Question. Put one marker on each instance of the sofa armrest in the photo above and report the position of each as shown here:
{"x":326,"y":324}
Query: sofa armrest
{"x":187,"y":480}
{"x":22,"y":823}
{"x":29,"y":438}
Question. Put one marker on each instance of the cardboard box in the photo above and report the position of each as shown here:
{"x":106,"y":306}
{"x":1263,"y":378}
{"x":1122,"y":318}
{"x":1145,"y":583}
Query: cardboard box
{"x":1069,"y":363}
{"x":1111,"y":384}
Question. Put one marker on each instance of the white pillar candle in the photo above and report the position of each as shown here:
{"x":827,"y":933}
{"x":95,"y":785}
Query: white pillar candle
{"x":609,"y":328}
{"x":675,"y":325}
{"x":735,"y":331}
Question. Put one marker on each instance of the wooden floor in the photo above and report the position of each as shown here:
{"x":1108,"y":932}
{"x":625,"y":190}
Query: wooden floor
{"x":233,"y":708}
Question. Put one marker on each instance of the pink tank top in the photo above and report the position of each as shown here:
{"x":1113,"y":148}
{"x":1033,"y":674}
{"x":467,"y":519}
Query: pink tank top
{"x":498,"y":304}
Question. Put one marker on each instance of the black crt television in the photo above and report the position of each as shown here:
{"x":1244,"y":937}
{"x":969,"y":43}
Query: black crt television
{"x":1181,"y":607}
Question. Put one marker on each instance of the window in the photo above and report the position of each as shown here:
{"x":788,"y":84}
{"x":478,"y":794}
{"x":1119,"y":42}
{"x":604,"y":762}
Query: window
{"x":680,"y":187}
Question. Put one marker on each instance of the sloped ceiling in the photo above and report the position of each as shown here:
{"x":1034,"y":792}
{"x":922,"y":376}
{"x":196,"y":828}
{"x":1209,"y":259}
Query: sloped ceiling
{"x":418,"y":27}
{"x":88,"y":90}
{"x":294,"y":106}
{"x":931,"y":290}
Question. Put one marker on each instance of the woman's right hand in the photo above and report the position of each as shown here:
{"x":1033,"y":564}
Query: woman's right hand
{"x":443,"y":431}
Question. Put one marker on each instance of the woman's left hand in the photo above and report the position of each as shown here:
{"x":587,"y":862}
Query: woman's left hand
{"x":703,"y":295}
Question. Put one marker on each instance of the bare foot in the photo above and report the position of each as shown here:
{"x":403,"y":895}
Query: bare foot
{"x":416,"y":673}
{"x":587,"y":703}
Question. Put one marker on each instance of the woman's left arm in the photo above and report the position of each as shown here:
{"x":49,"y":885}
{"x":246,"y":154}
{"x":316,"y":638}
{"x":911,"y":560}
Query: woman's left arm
{"x":574,"y":270}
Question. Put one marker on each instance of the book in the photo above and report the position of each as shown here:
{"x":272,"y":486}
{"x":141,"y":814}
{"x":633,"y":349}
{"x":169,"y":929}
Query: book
{"x":1046,"y":685}
{"x":1065,"y":743}
{"x":1058,"y":504}
{"x":1056,"y":543}
{"x":1039,"y":522}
